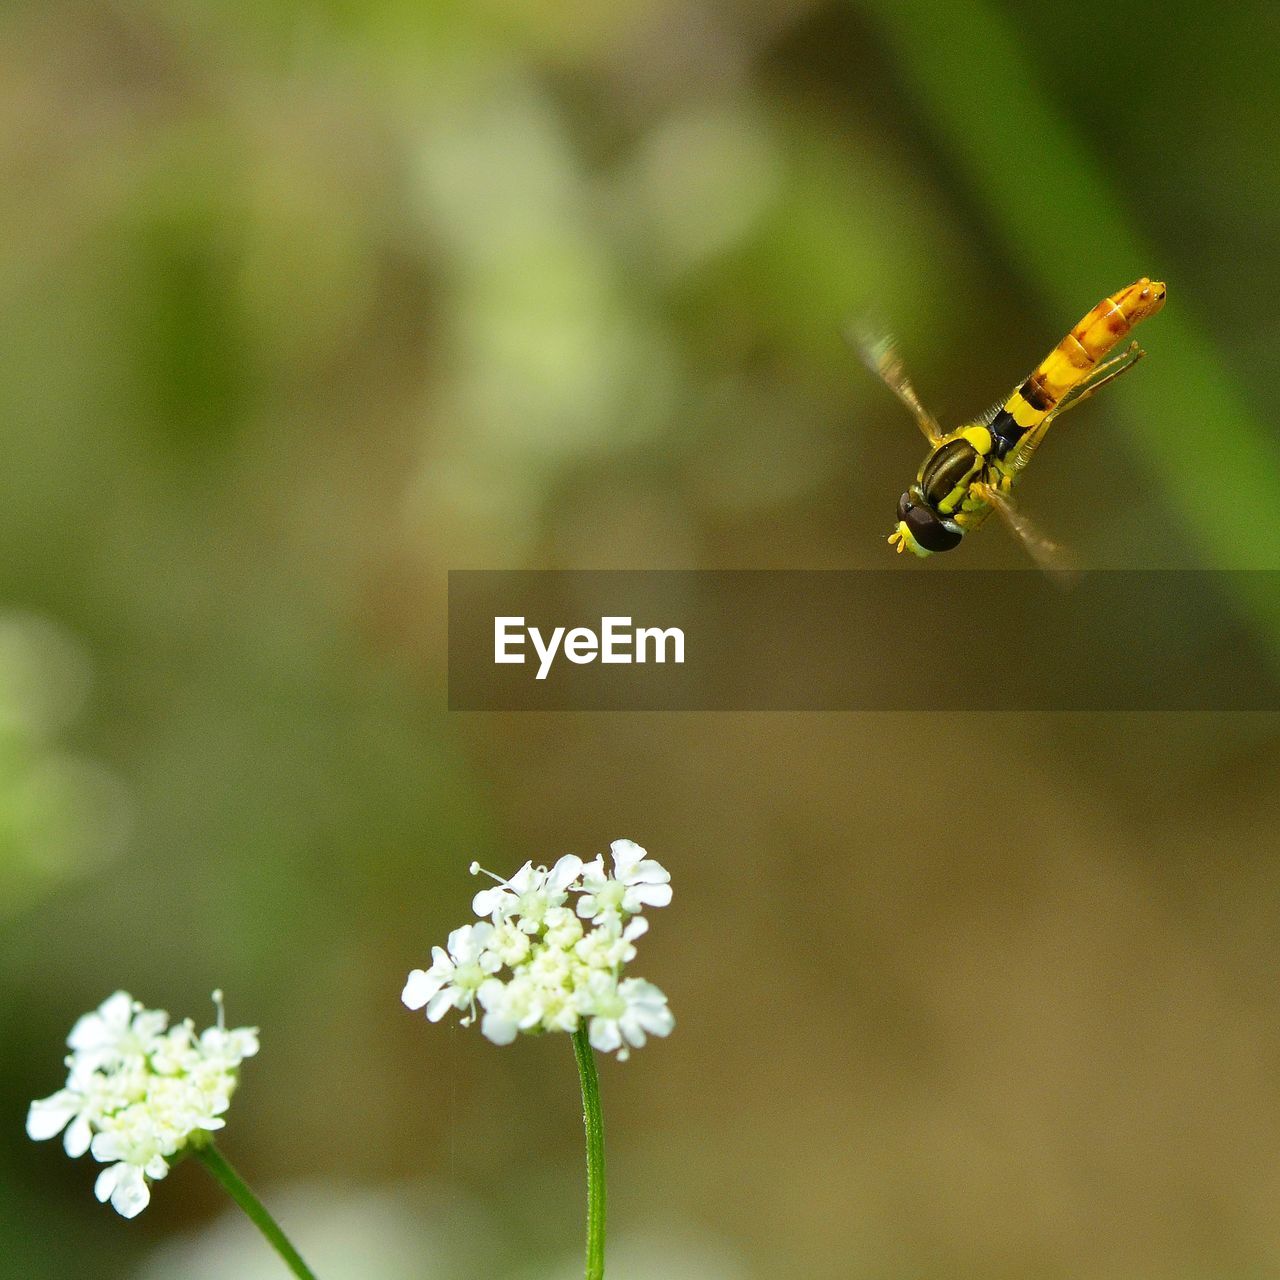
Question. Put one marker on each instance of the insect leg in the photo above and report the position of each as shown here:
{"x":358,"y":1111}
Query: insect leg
{"x":1029,"y":443}
{"x":1106,"y":372}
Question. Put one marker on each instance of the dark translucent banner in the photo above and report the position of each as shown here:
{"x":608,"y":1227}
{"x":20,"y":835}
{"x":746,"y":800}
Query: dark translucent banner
{"x":863,"y":640}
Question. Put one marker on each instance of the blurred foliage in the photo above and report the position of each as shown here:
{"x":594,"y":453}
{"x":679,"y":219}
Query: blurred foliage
{"x":60,"y":814}
{"x":305,"y":304}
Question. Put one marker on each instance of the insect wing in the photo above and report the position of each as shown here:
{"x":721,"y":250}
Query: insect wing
{"x":1049,"y":555}
{"x":879,"y":353}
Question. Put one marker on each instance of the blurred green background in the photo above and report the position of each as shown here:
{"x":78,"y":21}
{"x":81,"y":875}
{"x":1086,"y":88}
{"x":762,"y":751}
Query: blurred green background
{"x":303,"y":305}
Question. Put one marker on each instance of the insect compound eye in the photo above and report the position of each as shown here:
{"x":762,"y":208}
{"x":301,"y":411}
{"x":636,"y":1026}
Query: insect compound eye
{"x":929,"y":529}
{"x":905,"y":504}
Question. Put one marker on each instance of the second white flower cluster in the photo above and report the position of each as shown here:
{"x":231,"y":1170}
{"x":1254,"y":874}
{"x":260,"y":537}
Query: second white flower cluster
{"x":549,"y":952}
{"x":139,"y":1092}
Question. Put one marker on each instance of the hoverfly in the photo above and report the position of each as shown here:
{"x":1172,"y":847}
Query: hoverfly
{"x":970,"y":471}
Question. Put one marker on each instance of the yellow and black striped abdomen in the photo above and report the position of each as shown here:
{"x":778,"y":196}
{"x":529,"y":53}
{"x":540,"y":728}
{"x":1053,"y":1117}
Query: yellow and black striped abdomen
{"x":1074,"y":358}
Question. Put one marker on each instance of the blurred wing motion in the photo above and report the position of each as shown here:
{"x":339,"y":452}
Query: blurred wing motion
{"x":880,"y":355}
{"x":1049,"y":555}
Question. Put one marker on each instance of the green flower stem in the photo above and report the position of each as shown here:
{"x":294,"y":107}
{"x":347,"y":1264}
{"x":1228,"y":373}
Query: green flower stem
{"x":236,"y":1187}
{"x":593,"y":1121}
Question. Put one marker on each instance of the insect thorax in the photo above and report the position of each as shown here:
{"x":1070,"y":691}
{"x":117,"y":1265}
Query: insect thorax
{"x":947,"y":472}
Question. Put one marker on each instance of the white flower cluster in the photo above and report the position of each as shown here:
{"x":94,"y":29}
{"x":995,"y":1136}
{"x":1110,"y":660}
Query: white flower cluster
{"x":563,"y":963}
{"x":139,"y":1091}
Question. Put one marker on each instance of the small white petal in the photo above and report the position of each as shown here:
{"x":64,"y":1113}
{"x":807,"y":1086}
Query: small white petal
{"x":440,"y":1004}
{"x":487,"y":901}
{"x":658,"y":1022}
{"x":466,"y":943}
{"x":105,"y":1183}
{"x":649,"y":872}
{"x":498,"y":1029}
{"x":564,"y":873}
{"x":76,"y":1140}
{"x":490,"y":992}
{"x":641,"y":991}
{"x":626,"y":853}
{"x":100,"y":1028}
{"x":632,"y":1031}
{"x":652,"y":895}
{"x":131,"y":1194}
{"x":47,"y":1117}
{"x":603,"y":1034}
{"x":526,"y":878}
{"x":106,"y":1148}
{"x":419,"y":987}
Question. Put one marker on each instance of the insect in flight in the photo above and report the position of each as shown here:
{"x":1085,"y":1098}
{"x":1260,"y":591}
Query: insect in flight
{"x":969,"y":472}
